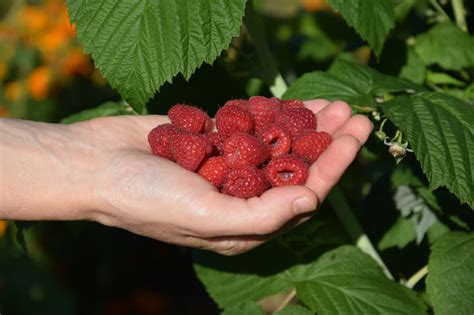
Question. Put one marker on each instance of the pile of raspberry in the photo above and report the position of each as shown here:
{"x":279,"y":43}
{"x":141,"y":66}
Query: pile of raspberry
{"x":258,"y":143}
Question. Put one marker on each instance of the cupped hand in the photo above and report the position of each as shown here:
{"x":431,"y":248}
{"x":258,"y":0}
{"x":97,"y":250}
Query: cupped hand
{"x":157,"y":198}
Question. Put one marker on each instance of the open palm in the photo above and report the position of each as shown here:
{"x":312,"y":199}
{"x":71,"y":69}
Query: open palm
{"x":157,"y":198}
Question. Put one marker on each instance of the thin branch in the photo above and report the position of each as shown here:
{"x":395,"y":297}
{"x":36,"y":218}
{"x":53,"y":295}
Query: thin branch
{"x":417,"y":277}
{"x":288,"y":298}
{"x":459,"y":14}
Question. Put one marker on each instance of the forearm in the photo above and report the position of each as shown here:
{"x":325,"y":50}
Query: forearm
{"x":45,"y":172}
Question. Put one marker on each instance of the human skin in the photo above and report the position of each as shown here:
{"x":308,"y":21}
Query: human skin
{"x":102,"y":170}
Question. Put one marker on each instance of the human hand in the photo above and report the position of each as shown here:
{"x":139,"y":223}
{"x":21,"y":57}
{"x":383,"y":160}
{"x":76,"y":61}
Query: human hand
{"x":154,"y":197}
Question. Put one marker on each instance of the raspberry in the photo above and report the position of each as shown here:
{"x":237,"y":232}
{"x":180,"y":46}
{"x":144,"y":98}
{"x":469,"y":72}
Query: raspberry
{"x":245,"y":182}
{"x":263,"y":111}
{"x":190,"y":118}
{"x":231,"y":119}
{"x":277,"y":138}
{"x":287,"y":104}
{"x":189,"y":150}
{"x":296,"y":120}
{"x":214,"y":170}
{"x":310,"y":144}
{"x":238,"y":103}
{"x":242,"y":149}
{"x":286,"y":170}
{"x":217,"y":142}
{"x":160,"y":138}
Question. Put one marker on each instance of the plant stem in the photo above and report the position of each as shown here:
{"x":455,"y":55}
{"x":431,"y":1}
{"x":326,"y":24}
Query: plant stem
{"x":459,"y":14}
{"x":340,"y":205}
{"x":288,"y":298}
{"x":440,"y":9}
{"x":417,"y":277}
{"x":270,"y":73}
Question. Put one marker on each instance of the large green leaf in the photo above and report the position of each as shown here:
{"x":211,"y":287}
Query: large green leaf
{"x":372,"y":19}
{"x":139,"y":45}
{"x":246,"y":308}
{"x":451,"y":270}
{"x":354,"y":83}
{"x":445,"y":44}
{"x":294,"y":310}
{"x":439,"y":128}
{"x":348,"y":281}
{"x":262,"y":272}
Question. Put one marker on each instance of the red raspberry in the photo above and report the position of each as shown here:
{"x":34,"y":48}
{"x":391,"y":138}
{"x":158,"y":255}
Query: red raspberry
{"x":310,"y":144}
{"x":263,"y":111}
{"x":232,"y":119}
{"x":287,"y":104}
{"x":217,"y":142}
{"x":277,"y":138}
{"x":214,"y":170}
{"x":296,"y":120}
{"x":190,"y":118}
{"x":245,"y":182}
{"x":238,"y":103}
{"x":242,"y":149}
{"x":287,"y":170}
{"x":160,"y":138}
{"x":189,"y":150}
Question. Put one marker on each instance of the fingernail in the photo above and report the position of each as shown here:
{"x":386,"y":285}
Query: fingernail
{"x":302,"y":205}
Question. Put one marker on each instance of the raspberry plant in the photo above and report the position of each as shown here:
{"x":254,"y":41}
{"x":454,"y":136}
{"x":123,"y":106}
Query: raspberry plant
{"x":335,"y":263}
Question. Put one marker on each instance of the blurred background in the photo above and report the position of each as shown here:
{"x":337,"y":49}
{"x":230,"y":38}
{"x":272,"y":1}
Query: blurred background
{"x":85,"y":268}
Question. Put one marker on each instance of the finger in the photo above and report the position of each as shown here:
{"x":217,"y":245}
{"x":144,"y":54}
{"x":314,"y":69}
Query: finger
{"x":358,"y":126}
{"x":223,"y":215}
{"x":330,"y":166}
{"x":232,"y":245}
{"x":316,"y":105}
{"x":332,"y":117}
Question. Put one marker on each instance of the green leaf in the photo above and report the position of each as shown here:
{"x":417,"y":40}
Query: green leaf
{"x":294,"y":310}
{"x":415,"y":69}
{"x":372,"y":19}
{"x":325,"y":85}
{"x":348,"y":281}
{"x":354,"y":83}
{"x":442,"y":78}
{"x":103,"y":110}
{"x":439,"y":128}
{"x":139,"y":45}
{"x":246,"y":308}
{"x":262,"y":272}
{"x":400,"y":234}
{"x":370,"y":81}
{"x":446,"y":45}
{"x":451,"y":270}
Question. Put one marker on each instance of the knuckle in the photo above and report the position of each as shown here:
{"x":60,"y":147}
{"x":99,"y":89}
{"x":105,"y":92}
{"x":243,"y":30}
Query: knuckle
{"x":230,"y":248}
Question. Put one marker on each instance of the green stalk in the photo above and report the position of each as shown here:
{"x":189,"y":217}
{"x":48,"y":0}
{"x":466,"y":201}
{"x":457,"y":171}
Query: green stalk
{"x":459,"y":14}
{"x":270,"y":74}
{"x":440,"y":9}
{"x":339,"y":203}
{"x":274,"y":79}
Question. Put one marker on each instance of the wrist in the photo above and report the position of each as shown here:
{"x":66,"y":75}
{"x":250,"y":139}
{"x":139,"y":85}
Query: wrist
{"x":46,"y":172}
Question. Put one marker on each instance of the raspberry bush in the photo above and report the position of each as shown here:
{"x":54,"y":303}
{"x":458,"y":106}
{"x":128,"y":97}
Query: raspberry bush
{"x":395,"y":236}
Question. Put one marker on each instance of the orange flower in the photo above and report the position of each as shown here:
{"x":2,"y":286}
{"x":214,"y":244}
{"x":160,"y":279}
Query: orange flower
{"x":39,"y":82}
{"x":14,"y":91}
{"x":314,"y":5}
{"x":34,"y":19}
{"x":3,"y":111}
{"x":3,"y":71}
{"x":75,"y":62}
{"x":51,"y":41}
{"x":3,"y":227}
